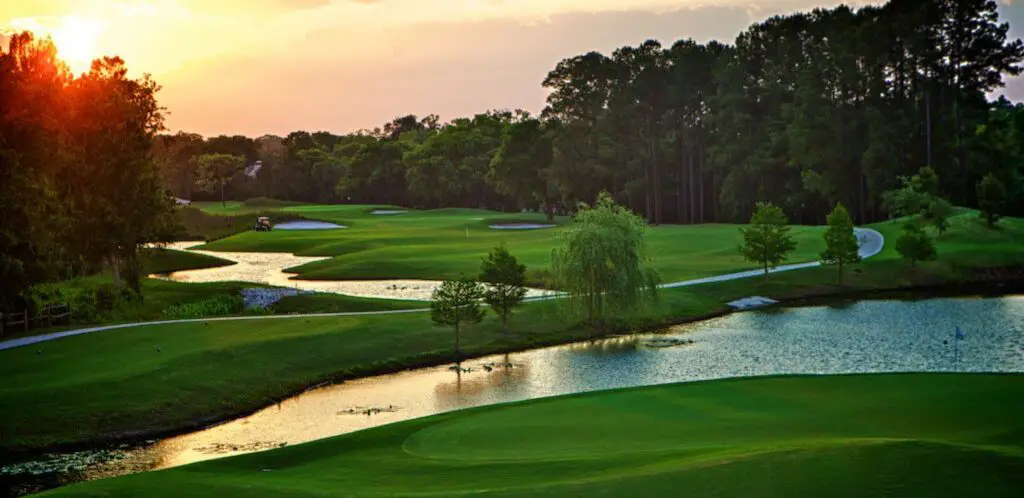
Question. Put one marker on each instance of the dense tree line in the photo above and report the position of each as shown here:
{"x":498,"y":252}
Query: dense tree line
{"x":78,"y":188}
{"x":804,"y":111}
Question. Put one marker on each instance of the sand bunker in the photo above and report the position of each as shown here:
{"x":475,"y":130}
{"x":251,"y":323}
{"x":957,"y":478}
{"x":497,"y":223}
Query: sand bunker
{"x":751,"y":302}
{"x":307,"y":225}
{"x":268,"y":268}
{"x":388,"y":211}
{"x":519,"y":226}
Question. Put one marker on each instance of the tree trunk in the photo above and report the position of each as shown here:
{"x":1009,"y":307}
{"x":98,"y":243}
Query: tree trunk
{"x":928,"y":125}
{"x":504,"y":323}
{"x":692,"y":210}
{"x":840,"y":271}
{"x":766,"y":270}
{"x":457,"y":355}
{"x":700,"y":189}
{"x":863,"y":215}
{"x":223,"y":203}
{"x":656,"y":172}
{"x":647,"y":194}
{"x":115,"y":269}
{"x":550,"y":208}
{"x":680,"y":218}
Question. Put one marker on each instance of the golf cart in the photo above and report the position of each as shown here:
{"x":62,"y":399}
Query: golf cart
{"x":262,"y":224}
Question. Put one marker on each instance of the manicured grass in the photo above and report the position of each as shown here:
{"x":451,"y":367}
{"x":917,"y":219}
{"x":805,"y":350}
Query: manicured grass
{"x":905,"y":435}
{"x":168,"y":260}
{"x":445,"y":243}
{"x":334,"y":303}
{"x":200,"y":224}
{"x":116,"y":382}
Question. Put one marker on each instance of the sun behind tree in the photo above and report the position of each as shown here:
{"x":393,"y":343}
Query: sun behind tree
{"x":75,"y":40}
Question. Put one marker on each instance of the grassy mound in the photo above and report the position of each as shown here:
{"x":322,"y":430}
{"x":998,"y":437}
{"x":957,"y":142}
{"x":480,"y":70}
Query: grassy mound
{"x":263,"y":202}
{"x":168,"y":260}
{"x":446,"y":243}
{"x":901,"y":435}
{"x":111,"y":383}
{"x":336,"y":303}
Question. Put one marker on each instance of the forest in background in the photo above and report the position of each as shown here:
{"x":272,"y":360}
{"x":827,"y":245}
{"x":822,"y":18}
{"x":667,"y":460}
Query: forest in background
{"x":883,"y":109}
{"x":803,"y":110}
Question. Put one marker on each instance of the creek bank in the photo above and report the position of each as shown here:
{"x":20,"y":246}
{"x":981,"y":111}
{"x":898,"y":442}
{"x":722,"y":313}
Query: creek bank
{"x":991,"y":288}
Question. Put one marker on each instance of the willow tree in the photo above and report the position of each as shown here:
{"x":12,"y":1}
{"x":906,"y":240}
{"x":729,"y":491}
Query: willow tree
{"x":602,"y":264}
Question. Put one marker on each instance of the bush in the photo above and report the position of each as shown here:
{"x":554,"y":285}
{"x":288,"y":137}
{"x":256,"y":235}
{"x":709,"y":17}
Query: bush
{"x":214,"y":306}
{"x":81,"y":299}
{"x":106,"y":297}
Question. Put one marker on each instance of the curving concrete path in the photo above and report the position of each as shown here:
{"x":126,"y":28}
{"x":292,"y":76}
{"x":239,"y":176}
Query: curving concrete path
{"x":870,"y":243}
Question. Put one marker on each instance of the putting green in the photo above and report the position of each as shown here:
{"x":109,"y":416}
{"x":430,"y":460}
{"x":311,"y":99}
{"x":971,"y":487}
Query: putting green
{"x":859,"y":435}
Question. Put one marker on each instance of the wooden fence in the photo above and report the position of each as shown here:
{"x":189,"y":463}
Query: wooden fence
{"x":7,"y":320}
{"x":51,"y":313}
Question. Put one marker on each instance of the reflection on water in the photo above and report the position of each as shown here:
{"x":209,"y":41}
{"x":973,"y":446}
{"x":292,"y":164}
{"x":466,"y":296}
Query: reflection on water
{"x":861,"y":337}
{"x":270,"y":268}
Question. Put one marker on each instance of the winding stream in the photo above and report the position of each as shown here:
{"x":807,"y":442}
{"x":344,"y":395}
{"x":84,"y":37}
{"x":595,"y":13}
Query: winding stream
{"x":868,"y":336}
{"x":269,"y":268}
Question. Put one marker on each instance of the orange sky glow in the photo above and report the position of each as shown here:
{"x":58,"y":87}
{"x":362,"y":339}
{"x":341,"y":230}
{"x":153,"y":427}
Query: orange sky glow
{"x":272,"y":66}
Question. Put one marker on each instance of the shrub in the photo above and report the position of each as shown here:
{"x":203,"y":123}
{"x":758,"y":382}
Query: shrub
{"x":214,"y":306}
{"x":106,"y":297}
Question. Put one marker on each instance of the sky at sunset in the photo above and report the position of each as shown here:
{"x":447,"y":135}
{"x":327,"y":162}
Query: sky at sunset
{"x":273,"y":66}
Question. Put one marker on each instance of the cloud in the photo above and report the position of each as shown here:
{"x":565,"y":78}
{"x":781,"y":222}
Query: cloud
{"x":345,"y":79}
{"x":304,"y":4}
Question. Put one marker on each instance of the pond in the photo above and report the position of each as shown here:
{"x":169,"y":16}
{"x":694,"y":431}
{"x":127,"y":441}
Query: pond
{"x":270,"y":268}
{"x":519,"y":226}
{"x":307,"y":225}
{"x":868,"y":336}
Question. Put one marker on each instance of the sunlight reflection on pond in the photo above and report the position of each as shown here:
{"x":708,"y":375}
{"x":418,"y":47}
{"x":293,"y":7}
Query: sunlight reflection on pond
{"x":870,"y":336}
{"x":269,"y":268}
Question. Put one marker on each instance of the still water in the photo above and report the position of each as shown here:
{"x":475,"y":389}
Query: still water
{"x":868,"y":336}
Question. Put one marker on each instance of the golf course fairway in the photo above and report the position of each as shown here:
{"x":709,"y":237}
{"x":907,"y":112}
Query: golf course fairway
{"x":902,"y":435}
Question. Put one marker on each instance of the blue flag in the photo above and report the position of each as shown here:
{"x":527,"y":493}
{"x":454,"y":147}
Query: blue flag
{"x":960,"y":334}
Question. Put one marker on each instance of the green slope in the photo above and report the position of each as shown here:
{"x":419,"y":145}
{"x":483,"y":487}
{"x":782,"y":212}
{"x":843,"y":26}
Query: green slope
{"x":904,"y":435}
{"x":445,"y":243}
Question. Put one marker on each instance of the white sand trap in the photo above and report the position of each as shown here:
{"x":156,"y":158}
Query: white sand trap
{"x":307,"y":225}
{"x":751,"y":302}
{"x":519,"y":226}
{"x":268,"y":268}
{"x":388,"y":211}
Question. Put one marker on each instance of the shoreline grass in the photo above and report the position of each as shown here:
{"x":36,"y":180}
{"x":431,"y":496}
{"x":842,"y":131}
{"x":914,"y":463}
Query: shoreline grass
{"x":901,"y":435}
{"x":121,"y":385}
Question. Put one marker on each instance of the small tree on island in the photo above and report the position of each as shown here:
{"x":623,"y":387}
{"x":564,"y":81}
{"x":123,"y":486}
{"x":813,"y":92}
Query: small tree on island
{"x":457,"y":302}
{"x":938,"y":213}
{"x":767,"y":240}
{"x":991,"y":199}
{"x":841,"y":246}
{"x":505,"y":281}
{"x":601,"y":262}
{"x":915,"y":245}
{"x":217,"y":170}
